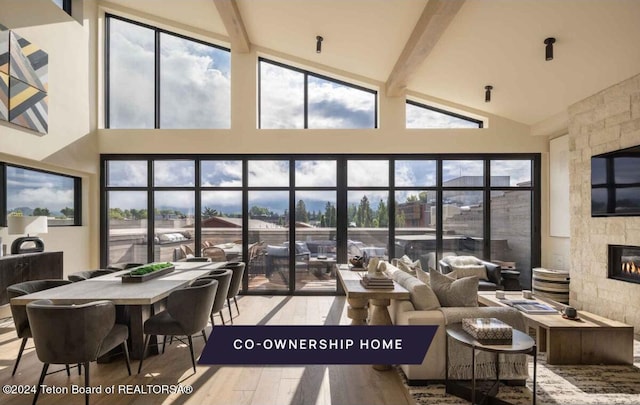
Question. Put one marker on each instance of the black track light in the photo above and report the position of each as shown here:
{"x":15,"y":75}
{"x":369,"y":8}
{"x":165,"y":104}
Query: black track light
{"x":548,"y":49}
{"x":319,"y":44}
{"x":487,"y":93}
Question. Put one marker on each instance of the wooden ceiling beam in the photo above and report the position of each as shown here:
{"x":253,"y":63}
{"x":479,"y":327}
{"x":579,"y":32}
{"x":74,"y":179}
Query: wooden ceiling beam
{"x":433,"y":22}
{"x":228,"y":10}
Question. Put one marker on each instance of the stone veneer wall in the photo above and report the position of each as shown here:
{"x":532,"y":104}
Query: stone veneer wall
{"x":606,"y":121}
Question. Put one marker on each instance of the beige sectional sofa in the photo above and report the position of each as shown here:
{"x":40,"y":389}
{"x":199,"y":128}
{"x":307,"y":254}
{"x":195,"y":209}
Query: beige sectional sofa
{"x":422,"y":310}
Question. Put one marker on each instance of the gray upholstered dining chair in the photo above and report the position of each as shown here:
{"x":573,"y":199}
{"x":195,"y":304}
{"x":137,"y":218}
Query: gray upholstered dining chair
{"x":237,"y":269}
{"x":187,"y":313}
{"x":87,"y":274}
{"x":69,"y":334}
{"x":19,"y":312}
{"x":223,"y":276}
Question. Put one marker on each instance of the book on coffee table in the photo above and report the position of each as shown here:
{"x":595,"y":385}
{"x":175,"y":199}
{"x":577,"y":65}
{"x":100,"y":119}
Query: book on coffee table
{"x":535,"y":308}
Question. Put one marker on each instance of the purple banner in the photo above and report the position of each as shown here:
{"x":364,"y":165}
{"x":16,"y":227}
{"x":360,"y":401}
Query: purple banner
{"x":262,"y":345}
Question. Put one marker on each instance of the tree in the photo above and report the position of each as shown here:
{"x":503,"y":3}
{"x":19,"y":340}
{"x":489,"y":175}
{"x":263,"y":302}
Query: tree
{"x":330,"y":219}
{"x":412,"y":198}
{"x":364,"y":215}
{"x":401,"y":221}
{"x":67,"y":212}
{"x":382,"y":215}
{"x":301,"y":212}
{"x":209,"y":212}
{"x":41,"y":212}
{"x":116,"y":213}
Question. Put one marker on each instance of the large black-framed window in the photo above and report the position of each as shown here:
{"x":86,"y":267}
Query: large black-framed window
{"x":29,"y":191}
{"x":155,"y":78}
{"x":420,"y":115}
{"x":336,"y":206}
{"x":293,"y":98}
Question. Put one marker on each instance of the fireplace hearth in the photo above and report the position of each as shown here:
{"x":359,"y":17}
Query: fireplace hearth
{"x":624,"y":263}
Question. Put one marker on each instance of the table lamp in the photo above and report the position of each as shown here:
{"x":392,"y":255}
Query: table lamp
{"x":29,"y":226}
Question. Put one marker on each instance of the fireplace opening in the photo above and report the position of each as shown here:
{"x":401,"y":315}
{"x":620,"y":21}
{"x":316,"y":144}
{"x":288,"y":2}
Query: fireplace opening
{"x":624,"y":263}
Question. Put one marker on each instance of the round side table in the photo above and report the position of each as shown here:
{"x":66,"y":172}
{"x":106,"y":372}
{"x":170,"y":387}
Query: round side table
{"x":521,"y":343}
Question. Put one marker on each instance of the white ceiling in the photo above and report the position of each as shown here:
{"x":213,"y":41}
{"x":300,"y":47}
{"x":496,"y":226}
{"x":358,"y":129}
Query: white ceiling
{"x":497,"y":42}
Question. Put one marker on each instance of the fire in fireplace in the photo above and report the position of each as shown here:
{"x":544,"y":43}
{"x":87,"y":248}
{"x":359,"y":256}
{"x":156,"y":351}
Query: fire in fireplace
{"x":624,"y":263}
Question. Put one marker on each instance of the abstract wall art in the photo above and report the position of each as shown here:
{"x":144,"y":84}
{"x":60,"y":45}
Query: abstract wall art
{"x":23,"y":82}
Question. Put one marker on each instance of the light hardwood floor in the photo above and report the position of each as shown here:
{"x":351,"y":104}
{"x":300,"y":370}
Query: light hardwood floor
{"x":257,"y":385}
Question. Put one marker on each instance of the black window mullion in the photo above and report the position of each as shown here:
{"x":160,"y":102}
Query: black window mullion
{"x":341,"y":210}
{"x":439,"y":211}
{"x":157,"y":79}
{"x":151,"y":215}
{"x":107,"y":44}
{"x":104,"y":217}
{"x":536,"y":215}
{"x":446,"y":112}
{"x":306,"y":100}
{"x":245,"y":222}
{"x":3,"y":196}
{"x":198,"y":208}
{"x":391,"y":209}
{"x":486,"y":215}
{"x":292,"y":226}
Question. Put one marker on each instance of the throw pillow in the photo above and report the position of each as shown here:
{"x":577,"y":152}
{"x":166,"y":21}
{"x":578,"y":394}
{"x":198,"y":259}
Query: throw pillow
{"x":422,"y":296}
{"x":454,"y":293}
{"x":469,"y":271}
{"x":423,"y":276}
{"x":405,"y":267}
{"x":459,"y":261}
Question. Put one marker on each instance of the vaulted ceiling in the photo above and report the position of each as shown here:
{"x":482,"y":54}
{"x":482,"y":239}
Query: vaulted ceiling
{"x":448,"y":49}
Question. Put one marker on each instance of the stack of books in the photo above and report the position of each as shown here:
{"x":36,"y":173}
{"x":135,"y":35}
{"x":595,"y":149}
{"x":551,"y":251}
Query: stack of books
{"x":488,"y":331}
{"x":377,"y":282}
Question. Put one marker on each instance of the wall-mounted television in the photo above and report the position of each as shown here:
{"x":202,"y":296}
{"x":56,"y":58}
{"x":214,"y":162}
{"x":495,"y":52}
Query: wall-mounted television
{"x":615,"y":183}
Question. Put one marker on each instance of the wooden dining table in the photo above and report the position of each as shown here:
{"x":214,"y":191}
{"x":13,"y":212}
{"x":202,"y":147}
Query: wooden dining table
{"x":136,"y":302}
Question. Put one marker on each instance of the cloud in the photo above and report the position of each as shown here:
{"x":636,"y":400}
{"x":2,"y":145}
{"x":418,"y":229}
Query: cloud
{"x":221,"y":173}
{"x":228,"y":202}
{"x":331,"y":105}
{"x":30,"y":188}
{"x":268,"y":173}
{"x":174,"y":173}
{"x":415,"y":173}
{"x":519,"y":171}
{"x":127,"y":173}
{"x":368,"y":173}
{"x":316,"y":173}
{"x":453,"y":169}
{"x":127,"y":200}
{"x":281,"y":97}
{"x":276,"y":201}
{"x":420,"y":117}
{"x":181,"y":200}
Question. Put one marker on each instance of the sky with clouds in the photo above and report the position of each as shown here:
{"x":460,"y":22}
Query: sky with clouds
{"x":33,"y":189}
{"x":195,"y":86}
{"x":308,"y":173}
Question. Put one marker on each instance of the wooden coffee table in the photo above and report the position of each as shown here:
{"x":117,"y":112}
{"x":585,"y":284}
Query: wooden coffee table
{"x":592,"y":339}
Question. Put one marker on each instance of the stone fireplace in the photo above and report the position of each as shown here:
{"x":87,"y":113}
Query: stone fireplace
{"x":624,"y":263}
{"x":604,"y":122}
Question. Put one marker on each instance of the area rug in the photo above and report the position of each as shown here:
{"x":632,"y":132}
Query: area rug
{"x":556,"y":385}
